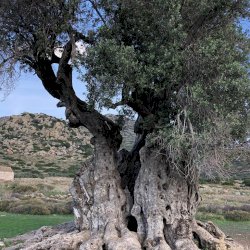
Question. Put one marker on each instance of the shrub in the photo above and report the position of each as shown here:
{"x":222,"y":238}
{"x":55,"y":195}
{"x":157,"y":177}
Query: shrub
{"x":88,"y":150}
{"x":214,"y":209}
{"x":23,"y":189}
{"x":209,"y":216}
{"x":247,"y":182}
{"x":237,"y":215}
{"x":36,"y":207}
{"x":209,"y":181}
{"x":44,"y":188}
{"x":71,"y":171}
{"x":229,"y":182}
{"x":61,"y":208}
{"x":30,"y":209}
{"x":245,"y":207}
{"x":4,"y":205}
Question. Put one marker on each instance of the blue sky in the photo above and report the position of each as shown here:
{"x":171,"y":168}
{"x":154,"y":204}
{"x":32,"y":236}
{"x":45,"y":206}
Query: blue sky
{"x":30,"y":96}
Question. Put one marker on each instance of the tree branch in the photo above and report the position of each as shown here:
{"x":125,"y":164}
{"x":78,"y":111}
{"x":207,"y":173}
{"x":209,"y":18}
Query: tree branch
{"x":97,"y":11}
{"x":80,"y":36}
{"x":77,"y":111}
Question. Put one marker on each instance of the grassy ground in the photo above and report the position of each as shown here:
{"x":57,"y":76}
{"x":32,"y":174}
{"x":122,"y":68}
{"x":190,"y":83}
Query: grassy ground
{"x":231,"y":227}
{"x":14,"y":224}
{"x":239,"y":231}
{"x":228,"y":206}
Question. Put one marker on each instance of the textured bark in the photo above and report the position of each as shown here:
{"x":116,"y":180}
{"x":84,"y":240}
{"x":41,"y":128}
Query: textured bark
{"x":100,"y":202}
{"x":209,"y":236}
{"x":165,"y":204}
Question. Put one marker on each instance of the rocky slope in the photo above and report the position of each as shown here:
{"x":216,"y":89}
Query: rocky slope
{"x":38,"y":145}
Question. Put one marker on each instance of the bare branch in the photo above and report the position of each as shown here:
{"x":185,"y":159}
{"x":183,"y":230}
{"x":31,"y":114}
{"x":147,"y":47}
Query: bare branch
{"x":97,"y":11}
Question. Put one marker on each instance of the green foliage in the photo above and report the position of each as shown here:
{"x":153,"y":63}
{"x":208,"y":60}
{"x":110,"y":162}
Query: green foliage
{"x":182,"y":66}
{"x":237,"y":215}
{"x":36,"y":206}
{"x":209,"y":216}
{"x":151,"y":48}
{"x":229,"y":182}
{"x":88,"y":150}
{"x":34,"y":209}
{"x":72,"y":170}
{"x":247,"y":182}
{"x":22,"y":188}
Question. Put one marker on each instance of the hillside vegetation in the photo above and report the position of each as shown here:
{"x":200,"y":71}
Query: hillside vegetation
{"x":38,"y":145}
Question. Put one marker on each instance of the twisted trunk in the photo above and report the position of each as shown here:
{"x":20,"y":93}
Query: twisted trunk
{"x":100,"y":202}
{"x":165,"y":204}
{"x":159,"y":215}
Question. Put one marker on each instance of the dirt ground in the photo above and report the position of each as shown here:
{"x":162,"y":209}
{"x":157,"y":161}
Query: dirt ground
{"x":243,"y":239}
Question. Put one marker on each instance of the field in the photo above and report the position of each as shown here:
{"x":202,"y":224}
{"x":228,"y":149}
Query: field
{"x":14,"y":224}
{"x":226,"y":204}
{"x":239,"y":231}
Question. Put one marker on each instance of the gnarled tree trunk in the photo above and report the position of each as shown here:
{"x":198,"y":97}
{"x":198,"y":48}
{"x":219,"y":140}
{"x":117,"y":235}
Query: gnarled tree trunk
{"x":100,"y":202}
{"x":154,"y":210}
{"x":165,"y":204}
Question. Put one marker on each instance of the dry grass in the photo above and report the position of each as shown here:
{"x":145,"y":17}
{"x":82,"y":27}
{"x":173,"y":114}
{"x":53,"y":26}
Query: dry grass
{"x":224,"y":195}
{"x":36,"y":196}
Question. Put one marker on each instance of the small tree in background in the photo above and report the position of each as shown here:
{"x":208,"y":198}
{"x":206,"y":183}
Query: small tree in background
{"x":181,"y":66}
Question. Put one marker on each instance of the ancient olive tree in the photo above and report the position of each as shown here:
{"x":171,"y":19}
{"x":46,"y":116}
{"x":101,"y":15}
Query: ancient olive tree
{"x":181,"y":66}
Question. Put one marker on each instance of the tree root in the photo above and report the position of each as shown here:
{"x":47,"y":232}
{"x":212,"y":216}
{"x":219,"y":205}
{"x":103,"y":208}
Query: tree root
{"x":113,"y":239}
{"x":210,"y":237}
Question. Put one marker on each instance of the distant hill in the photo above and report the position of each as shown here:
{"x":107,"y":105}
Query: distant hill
{"x":38,"y":145}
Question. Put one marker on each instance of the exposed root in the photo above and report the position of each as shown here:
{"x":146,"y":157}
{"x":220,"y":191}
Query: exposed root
{"x":64,"y":236}
{"x":210,"y":237}
{"x":113,"y":239}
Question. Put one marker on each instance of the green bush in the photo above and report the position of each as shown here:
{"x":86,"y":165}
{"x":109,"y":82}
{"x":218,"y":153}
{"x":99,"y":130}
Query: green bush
{"x":4,"y":205}
{"x":246,"y":182}
{"x":237,"y":215}
{"x":229,"y":182}
{"x":212,"y":209}
{"x":30,"y":209}
{"x":61,"y":208}
{"x":209,"y":216}
{"x":72,"y":170}
{"x":23,"y":188}
{"x":209,"y":181}
{"x":44,"y":188}
{"x":88,"y":150}
{"x":36,"y":207}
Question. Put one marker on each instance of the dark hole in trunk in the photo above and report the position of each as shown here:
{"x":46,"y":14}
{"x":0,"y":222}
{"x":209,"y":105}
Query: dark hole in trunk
{"x":197,"y":240}
{"x":168,"y":207}
{"x":104,"y":247}
{"x":132,"y":223}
